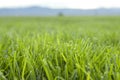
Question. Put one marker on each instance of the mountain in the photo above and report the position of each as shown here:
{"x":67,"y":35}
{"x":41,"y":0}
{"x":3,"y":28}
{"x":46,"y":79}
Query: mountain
{"x":40,"y":11}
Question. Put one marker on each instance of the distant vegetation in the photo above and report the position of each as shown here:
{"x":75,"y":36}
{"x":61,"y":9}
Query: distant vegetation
{"x":60,"y":48}
{"x":60,"y":14}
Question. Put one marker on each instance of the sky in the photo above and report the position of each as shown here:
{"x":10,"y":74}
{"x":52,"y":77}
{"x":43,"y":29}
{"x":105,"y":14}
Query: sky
{"x":74,"y":4}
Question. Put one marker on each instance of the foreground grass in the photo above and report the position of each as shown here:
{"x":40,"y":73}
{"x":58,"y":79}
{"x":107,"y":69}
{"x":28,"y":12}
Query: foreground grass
{"x":60,"y":48}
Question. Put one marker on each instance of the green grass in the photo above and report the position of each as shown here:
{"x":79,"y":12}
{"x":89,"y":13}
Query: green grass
{"x":60,"y":48}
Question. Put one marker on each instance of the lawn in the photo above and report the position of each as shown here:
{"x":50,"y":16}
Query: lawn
{"x":60,"y":48}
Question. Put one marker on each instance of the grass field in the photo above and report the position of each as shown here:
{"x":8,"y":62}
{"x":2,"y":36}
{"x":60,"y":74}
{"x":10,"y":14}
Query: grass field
{"x":60,"y":48}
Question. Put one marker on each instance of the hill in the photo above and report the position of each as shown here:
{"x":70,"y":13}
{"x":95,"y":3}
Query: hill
{"x":41,"y":11}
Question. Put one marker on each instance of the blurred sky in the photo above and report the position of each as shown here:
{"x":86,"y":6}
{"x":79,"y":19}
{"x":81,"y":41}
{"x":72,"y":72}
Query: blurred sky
{"x":78,"y":4}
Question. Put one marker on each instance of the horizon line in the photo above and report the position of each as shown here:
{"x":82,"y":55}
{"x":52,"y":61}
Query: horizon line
{"x":16,"y":7}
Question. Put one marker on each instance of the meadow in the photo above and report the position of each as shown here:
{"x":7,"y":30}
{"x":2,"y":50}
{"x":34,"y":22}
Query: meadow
{"x":60,"y":48}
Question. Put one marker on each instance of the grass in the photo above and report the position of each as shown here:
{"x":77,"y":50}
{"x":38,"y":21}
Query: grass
{"x":60,"y":48}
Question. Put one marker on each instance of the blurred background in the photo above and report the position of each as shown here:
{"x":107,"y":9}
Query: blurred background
{"x":59,"y":7}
